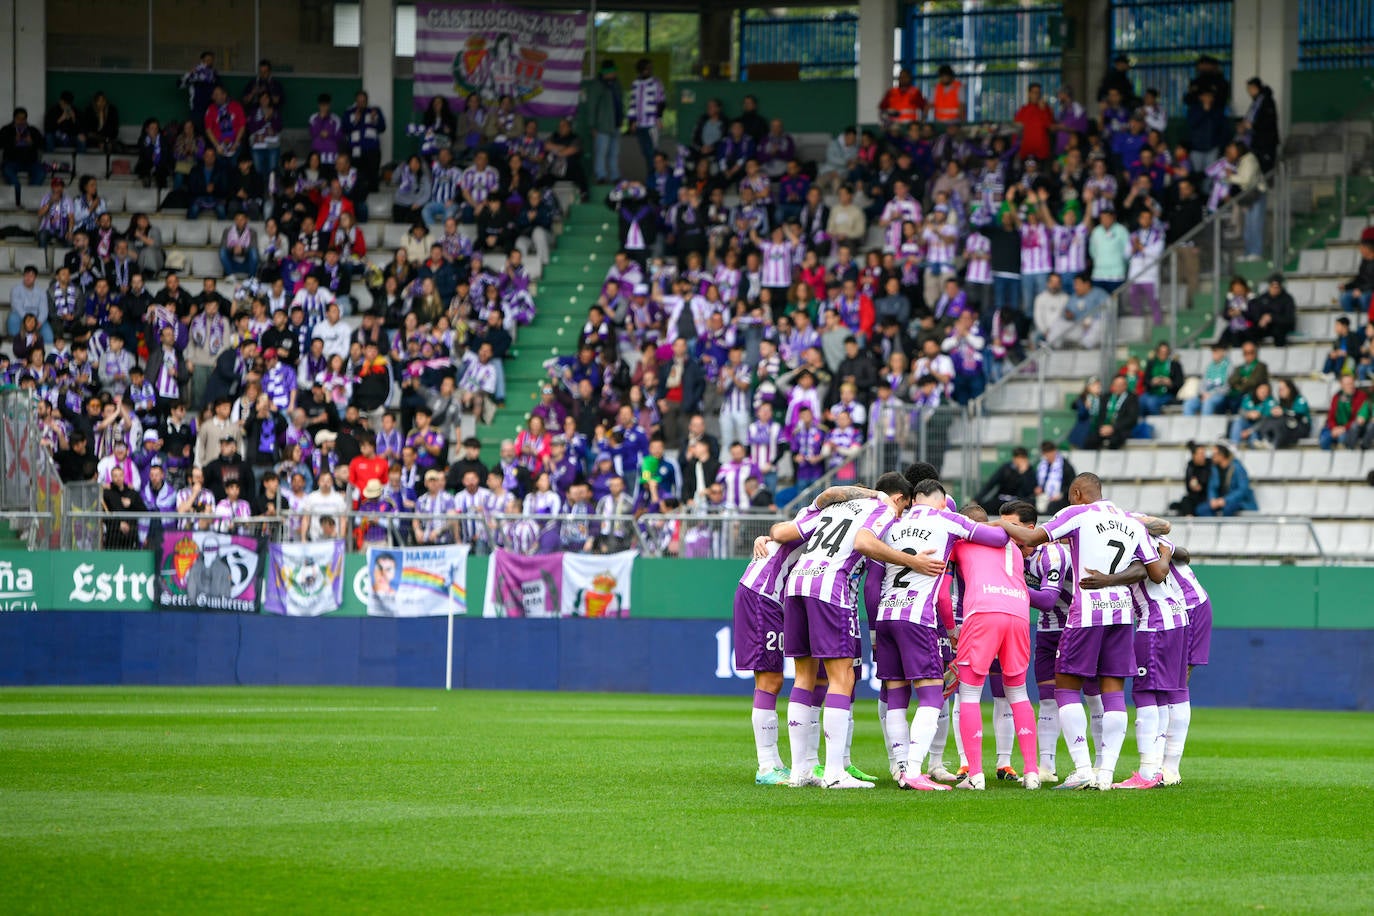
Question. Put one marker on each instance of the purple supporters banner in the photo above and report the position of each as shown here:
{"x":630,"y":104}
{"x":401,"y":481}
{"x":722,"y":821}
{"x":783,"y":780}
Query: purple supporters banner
{"x":207,"y":571}
{"x":521,"y":586}
{"x":492,"y":50}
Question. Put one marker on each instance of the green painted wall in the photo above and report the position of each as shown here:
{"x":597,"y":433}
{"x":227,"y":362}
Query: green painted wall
{"x":805,"y":107}
{"x":1331,"y":95}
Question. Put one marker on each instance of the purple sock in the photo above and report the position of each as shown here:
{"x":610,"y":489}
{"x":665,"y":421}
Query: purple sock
{"x":799,"y":695}
{"x":930,"y":695}
{"x":899,"y":697}
{"x":819,"y":694}
{"x":837,"y":701}
{"x":1066,"y":697}
{"x":1092,"y":688}
{"x":1114,"y":701}
{"x":765,"y":700}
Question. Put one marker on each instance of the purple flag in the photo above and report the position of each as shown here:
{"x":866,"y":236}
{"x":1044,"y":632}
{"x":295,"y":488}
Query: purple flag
{"x":521,"y":586}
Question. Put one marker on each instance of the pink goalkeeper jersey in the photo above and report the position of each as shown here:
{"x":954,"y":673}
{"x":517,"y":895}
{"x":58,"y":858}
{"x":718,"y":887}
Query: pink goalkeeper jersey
{"x":1104,"y":538}
{"x":994,"y":580}
{"x":768,"y":575}
{"x":826,"y":564}
{"x":906,"y":594}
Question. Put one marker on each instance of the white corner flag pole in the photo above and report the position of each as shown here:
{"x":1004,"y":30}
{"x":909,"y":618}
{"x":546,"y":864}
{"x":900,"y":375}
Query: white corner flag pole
{"x":448,"y":665}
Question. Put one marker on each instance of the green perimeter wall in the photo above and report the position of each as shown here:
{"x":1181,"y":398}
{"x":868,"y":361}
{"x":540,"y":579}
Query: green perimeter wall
{"x":1276,"y":597}
{"x":805,"y":106}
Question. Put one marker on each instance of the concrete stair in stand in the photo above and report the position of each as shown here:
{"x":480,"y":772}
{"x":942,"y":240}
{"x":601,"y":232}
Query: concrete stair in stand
{"x":570,"y":285}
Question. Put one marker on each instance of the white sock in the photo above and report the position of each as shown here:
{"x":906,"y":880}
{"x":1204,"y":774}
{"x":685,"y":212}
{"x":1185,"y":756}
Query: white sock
{"x":1147,"y":740}
{"x":813,"y":738}
{"x":798,"y":733}
{"x":898,"y":731}
{"x":939,"y":742}
{"x":923,"y":727}
{"x":1047,"y":733}
{"x":1180,"y":717}
{"x":882,"y":725}
{"x":849,"y":737}
{"x":836,"y":727}
{"x":766,"y":738}
{"x":1074,"y":721}
{"x":954,"y":727}
{"x":1094,"y":708}
{"x":1003,"y":730}
{"x":1113,"y":736}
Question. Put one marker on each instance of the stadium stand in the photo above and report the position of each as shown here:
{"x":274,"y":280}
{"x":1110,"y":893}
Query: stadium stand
{"x":900,"y":240}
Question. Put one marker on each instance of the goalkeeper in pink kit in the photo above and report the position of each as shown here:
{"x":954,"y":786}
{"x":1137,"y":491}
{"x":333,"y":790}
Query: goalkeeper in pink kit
{"x":996,"y":605}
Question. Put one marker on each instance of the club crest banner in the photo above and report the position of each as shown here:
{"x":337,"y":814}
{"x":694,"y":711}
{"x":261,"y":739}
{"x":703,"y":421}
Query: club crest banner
{"x":304,"y":580}
{"x":417,"y":581}
{"x":597,"y":586}
{"x":207,"y":571}
{"x":493,"y":50}
{"x":558,"y":585}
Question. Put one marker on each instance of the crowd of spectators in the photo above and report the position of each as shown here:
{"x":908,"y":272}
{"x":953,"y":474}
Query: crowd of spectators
{"x":747,"y":334}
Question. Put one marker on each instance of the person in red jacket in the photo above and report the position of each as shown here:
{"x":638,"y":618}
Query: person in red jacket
{"x":1034,"y":120}
{"x":367,"y":467}
{"x":225,"y":123}
{"x":332,"y":209}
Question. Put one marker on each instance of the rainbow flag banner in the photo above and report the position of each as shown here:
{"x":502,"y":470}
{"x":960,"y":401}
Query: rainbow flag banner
{"x":417,"y":581}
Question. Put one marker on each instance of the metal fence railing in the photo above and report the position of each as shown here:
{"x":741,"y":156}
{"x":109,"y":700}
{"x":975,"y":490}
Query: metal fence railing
{"x":1335,"y":34}
{"x":822,"y":46}
{"x":693,"y":533}
{"x":1164,"y":38}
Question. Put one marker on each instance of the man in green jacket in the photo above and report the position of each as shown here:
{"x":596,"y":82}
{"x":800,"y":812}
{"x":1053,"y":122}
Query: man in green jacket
{"x":605,"y":115}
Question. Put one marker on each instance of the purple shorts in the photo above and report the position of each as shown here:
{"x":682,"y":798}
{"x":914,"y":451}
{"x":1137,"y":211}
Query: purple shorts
{"x":907,"y":651}
{"x":946,"y":650}
{"x":1097,"y":651}
{"x":1161,"y":660}
{"x":813,"y":628}
{"x":1200,"y":633}
{"x":758,"y":632}
{"x":1046,"y":647}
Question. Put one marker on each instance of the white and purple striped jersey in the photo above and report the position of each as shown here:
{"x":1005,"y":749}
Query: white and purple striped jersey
{"x":768,"y":575}
{"x":897,"y":211}
{"x":1145,"y":261}
{"x":1035,"y":249}
{"x":647,"y":98}
{"x":941,"y":243}
{"x":1070,"y":249}
{"x":736,"y":400}
{"x":444,"y":183}
{"x":763,"y":443}
{"x":436,"y":507}
{"x":1159,"y":605}
{"x":825,"y":568}
{"x":1101,"y":537}
{"x":479,"y":183}
{"x":1194,"y":595}
{"x":909,"y":595}
{"x":732,"y":476}
{"x":977,"y":251}
{"x":474,"y":505}
{"x":777,"y":263}
{"x":1052,"y":563}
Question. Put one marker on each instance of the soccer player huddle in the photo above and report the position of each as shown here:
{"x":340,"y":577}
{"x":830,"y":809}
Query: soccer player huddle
{"x":948,"y":597}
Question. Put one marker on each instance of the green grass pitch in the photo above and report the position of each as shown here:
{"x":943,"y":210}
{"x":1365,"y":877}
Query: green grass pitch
{"x":344,"y":800}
